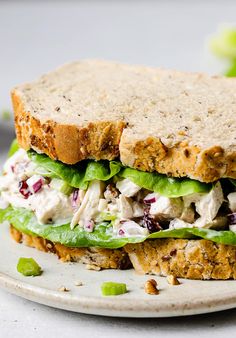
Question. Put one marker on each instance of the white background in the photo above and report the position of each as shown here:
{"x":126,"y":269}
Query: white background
{"x":36,"y":36}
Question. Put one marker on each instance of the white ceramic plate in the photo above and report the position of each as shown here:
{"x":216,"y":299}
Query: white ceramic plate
{"x":191,"y":297}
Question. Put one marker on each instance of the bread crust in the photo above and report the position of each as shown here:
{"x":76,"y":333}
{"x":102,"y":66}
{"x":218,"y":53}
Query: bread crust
{"x":67,"y":143}
{"x":178,"y":161}
{"x":192,"y":259}
{"x":96,"y":257}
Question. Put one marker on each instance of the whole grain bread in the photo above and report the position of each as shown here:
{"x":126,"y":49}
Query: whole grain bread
{"x":176,"y":123}
{"x":184,"y":258}
{"x":97,"y":257}
{"x":193,"y":259}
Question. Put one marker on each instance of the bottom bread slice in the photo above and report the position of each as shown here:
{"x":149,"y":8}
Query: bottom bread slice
{"x":95,"y":258}
{"x":192,"y":259}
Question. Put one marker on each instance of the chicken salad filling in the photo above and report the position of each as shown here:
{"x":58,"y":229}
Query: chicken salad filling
{"x":131,"y":209}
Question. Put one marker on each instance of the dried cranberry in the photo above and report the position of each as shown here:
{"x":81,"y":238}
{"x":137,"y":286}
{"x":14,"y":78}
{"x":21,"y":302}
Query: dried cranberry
{"x":150,"y":223}
{"x":24,"y":189}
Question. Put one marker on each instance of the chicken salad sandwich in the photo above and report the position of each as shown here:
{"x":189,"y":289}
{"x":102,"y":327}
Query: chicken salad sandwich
{"x":125,"y":166}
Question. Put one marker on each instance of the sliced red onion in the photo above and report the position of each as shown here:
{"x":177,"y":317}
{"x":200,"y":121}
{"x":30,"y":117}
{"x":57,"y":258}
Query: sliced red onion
{"x":75,"y":197}
{"x":13,"y":168}
{"x":121,"y":232}
{"x":89,"y":226}
{"x":24,"y":189}
{"x":150,"y":198}
{"x":37,"y":185}
{"x":232,"y":218}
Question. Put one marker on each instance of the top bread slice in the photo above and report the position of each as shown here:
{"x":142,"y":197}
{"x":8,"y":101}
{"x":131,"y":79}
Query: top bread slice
{"x":175,"y":123}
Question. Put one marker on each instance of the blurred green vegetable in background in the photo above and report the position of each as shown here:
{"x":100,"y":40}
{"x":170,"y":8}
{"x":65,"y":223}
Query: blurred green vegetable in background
{"x":223,"y":45}
{"x":6,"y":115}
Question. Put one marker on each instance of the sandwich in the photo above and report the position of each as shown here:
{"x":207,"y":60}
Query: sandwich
{"x":120,"y":166}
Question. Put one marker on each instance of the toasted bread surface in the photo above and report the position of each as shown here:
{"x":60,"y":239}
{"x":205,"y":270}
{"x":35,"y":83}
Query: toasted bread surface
{"x":176,"y":123}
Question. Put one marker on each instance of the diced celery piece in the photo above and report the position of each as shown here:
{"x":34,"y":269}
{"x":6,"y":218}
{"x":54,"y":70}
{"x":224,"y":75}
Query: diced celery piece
{"x":104,"y":216}
{"x":66,"y":189}
{"x":42,"y":171}
{"x":28,"y":267}
{"x":61,"y":186}
{"x":113,"y":289}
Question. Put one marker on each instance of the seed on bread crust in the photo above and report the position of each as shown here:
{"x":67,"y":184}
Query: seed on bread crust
{"x":93,"y":267}
{"x":150,"y":287}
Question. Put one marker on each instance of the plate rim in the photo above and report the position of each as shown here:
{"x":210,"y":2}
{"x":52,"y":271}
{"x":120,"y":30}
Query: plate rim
{"x":107,"y":307}
{"x":115,"y":306}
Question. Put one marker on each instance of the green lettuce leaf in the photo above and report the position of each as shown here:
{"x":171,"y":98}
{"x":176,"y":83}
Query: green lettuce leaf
{"x":13,"y":148}
{"x":78,"y":175}
{"x":25,"y":221}
{"x":166,"y":186}
{"x":233,"y":181}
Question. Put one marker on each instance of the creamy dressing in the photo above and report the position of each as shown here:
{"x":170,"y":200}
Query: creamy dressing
{"x":49,"y":205}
